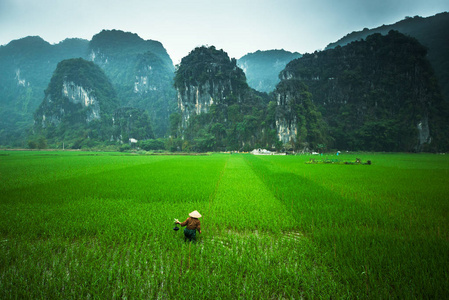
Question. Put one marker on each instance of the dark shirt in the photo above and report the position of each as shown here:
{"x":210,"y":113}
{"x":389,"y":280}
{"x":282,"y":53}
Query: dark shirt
{"x":192,"y":223}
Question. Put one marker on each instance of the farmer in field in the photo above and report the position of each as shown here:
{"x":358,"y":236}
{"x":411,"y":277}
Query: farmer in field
{"x":192,"y":225}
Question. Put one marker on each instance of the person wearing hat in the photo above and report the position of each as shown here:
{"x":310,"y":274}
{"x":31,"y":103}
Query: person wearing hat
{"x":192,"y":225}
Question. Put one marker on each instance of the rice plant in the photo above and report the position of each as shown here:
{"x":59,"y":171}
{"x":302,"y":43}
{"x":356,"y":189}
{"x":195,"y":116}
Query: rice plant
{"x":99,"y":225}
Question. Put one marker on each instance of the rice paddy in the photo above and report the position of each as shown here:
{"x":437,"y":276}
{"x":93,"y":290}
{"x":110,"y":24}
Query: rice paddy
{"x":100,"y":225}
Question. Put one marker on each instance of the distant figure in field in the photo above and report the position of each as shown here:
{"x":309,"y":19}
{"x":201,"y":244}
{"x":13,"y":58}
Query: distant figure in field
{"x":192,"y":225}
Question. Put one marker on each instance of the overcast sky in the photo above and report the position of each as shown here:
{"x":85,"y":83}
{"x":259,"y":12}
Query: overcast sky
{"x":236,"y":26}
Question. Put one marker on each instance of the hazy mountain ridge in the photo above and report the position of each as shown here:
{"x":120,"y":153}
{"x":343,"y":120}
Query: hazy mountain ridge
{"x":118,"y":43}
{"x":217,"y":110}
{"x":26,"y":68}
{"x":141,"y":72}
{"x":262,"y":68}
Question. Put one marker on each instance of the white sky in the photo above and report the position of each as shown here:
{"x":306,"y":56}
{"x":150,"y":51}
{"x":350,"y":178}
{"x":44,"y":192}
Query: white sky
{"x":236,"y":26}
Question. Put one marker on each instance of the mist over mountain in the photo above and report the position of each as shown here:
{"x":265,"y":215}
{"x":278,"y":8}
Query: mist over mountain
{"x":140,"y":70}
{"x":262,"y":68}
{"x":26,"y":66}
{"x":431,"y":32}
{"x":379,"y":93}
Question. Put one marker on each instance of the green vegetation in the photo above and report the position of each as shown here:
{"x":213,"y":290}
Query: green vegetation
{"x":378,"y":94}
{"x":132,"y":123}
{"x":65,"y":117}
{"x":238,"y":118}
{"x":26,"y":67}
{"x":430,"y":32}
{"x":296,"y":105}
{"x":205,"y":64}
{"x":141,"y":72}
{"x":99,"y":225}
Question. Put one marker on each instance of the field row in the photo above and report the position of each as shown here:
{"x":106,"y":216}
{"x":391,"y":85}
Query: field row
{"x":100,"y":225}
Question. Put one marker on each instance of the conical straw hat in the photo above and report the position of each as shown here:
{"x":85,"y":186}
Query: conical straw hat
{"x":195,"y":214}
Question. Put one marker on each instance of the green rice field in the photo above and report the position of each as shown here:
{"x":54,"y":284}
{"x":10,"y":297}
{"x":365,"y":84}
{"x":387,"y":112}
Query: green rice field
{"x":87,"y":225}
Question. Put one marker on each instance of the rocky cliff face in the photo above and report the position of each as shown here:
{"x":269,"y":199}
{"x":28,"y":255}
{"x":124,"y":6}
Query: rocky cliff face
{"x":298,"y":122}
{"x":206,"y":77}
{"x":26,"y":67}
{"x":197,"y":99}
{"x":53,"y":112}
{"x":286,"y":119}
{"x":140,"y":70}
{"x":79,"y":97}
{"x":217,"y":109}
{"x":378,"y":94}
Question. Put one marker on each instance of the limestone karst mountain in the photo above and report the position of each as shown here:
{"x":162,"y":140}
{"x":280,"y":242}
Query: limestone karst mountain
{"x":217,"y":108}
{"x":431,"y":32}
{"x":376,"y":94}
{"x":26,"y":67}
{"x":81,"y":108}
{"x":79,"y":102}
{"x":140,"y":70}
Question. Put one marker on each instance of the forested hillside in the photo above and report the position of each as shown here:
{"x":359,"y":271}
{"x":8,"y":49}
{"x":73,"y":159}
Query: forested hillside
{"x":140,"y":70}
{"x":26,"y":66}
{"x":431,"y":32}
{"x":378,"y":94}
{"x":217,"y":108}
{"x":81,"y":109}
{"x":78,"y":105}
